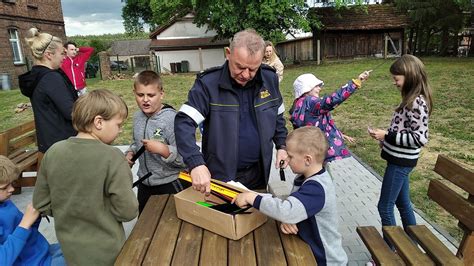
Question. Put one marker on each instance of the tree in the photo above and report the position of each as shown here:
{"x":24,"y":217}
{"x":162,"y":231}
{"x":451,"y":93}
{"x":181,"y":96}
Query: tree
{"x":435,"y":24}
{"x":272,"y":19}
{"x":135,"y":14}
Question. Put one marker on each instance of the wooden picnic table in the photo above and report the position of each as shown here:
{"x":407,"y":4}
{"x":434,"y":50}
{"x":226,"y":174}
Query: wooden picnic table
{"x":161,"y":238}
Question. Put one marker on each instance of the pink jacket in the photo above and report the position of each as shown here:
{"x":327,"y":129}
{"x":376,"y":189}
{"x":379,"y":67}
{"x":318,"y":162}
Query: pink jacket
{"x":75,"y":67}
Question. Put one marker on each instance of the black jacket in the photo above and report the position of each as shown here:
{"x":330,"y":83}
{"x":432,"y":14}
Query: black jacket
{"x":214,"y":101}
{"x":52,"y":96}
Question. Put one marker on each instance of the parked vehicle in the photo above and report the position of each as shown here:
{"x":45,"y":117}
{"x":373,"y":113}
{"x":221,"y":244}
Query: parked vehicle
{"x":115,"y":65}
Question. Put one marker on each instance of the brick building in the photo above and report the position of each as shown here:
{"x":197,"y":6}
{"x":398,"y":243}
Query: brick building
{"x":16,"y":17}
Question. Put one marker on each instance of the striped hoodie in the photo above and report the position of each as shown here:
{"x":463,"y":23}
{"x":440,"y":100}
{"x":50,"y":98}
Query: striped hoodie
{"x":408,"y":132}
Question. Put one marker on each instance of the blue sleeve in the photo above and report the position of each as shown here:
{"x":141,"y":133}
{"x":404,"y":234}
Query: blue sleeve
{"x":190,"y":115}
{"x":313,"y":197}
{"x":329,"y":102}
{"x":13,"y":245}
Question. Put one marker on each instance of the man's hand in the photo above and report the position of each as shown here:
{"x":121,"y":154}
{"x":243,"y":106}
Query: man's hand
{"x":129,"y":157}
{"x":201,"y":178}
{"x":245,"y":199}
{"x":378,"y":134}
{"x":289,"y":228}
{"x":281,"y":155}
{"x":29,"y":217}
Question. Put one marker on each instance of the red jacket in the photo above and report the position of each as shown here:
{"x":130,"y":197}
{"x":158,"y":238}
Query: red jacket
{"x":75,"y":67}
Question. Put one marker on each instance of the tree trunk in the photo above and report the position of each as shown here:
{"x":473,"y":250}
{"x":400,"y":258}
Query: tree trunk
{"x":427,"y":43}
{"x":410,"y":41}
{"x":443,"y":49}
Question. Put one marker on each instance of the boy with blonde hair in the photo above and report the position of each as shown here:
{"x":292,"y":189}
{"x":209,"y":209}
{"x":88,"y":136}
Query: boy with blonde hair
{"x":310,"y":211}
{"x":87,"y":184}
{"x":20,"y":241}
{"x":153,"y":128}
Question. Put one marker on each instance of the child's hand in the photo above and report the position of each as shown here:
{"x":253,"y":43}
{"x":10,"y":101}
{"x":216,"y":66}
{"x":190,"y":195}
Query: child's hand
{"x":129,"y":157}
{"x":289,"y":228}
{"x":244,"y":199}
{"x":155,"y":146}
{"x":29,"y":217}
{"x":378,"y":134}
{"x":364,"y":75}
{"x":348,"y":138}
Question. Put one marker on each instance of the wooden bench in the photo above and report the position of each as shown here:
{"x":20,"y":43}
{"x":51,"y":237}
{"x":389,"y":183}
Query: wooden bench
{"x":435,"y":252}
{"x":161,"y":238}
{"x":19,"y":145}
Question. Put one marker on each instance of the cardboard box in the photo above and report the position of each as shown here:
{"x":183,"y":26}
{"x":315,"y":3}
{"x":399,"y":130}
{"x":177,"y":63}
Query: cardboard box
{"x":230,"y":226}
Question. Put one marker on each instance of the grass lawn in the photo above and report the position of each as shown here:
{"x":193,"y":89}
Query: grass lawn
{"x":451,"y":124}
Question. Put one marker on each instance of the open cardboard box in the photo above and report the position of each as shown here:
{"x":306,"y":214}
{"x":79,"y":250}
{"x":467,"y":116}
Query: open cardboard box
{"x":227,"y":225}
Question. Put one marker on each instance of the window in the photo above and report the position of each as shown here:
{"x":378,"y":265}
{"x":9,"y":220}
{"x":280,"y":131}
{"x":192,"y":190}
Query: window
{"x":16,"y":47}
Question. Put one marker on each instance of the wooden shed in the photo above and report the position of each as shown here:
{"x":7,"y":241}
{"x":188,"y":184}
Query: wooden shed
{"x":377,"y":31}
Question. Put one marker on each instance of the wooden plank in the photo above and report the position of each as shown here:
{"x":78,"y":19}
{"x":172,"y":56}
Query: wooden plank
{"x":160,"y":251}
{"x":466,"y":248}
{"x":20,"y":130}
{"x":452,"y":202}
{"x":378,"y":248}
{"x":242,"y":251}
{"x":4,"y":143}
{"x":135,"y":247}
{"x":27,"y":162}
{"x":22,"y":142}
{"x":405,"y":247}
{"x":297,"y":252}
{"x":188,"y":246}
{"x":21,"y":155}
{"x":435,"y":249}
{"x":25,"y":182}
{"x":268,"y":245}
{"x":456,"y":173}
{"x":213,"y":250}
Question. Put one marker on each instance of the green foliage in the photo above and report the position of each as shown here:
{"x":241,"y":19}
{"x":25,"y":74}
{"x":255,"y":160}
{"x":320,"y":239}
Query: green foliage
{"x":135,"y":14}
{"x":103,"y":42}
{"x":272,"y":19}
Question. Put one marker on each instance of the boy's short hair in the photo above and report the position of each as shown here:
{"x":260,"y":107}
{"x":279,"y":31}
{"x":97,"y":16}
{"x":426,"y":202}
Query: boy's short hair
{"x":310,"y":140}
{"x":9,"y":172}
{"x":147,"y":77}
{"x":97,"y":102}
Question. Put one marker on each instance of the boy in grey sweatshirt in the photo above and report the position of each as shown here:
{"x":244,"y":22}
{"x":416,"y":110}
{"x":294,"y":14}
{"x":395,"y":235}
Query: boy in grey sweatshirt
{"x":153,"y":128}
{"x":310,"y":211}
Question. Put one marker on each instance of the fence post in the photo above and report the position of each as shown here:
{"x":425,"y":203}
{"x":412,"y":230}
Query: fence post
{"x":318,"y":43}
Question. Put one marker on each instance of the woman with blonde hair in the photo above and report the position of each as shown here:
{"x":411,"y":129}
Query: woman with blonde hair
{"x":51,"y":93}
{"x":271,"y":58}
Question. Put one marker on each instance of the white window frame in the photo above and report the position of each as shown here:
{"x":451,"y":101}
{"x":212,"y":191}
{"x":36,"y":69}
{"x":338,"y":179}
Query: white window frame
{"x":15,"y":42}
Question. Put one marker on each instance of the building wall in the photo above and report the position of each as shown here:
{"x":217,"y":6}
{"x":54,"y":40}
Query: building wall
{"x":210,"y":58}
{"x":22,"y":15}
{"x":185,"y":29}
{"x":296,"y":50}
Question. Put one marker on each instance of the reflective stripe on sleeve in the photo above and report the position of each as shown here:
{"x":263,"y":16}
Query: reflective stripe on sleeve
{"x":193,"y":113}
{"x":281,"y":109}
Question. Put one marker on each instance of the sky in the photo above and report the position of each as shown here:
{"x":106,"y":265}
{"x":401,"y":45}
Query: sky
{"x":92,"y":17}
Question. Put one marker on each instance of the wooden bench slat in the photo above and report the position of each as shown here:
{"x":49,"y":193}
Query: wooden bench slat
{"x":31,"y":160}
{"x":437,"y":251}
{"x":378,"y":248}
{"x":242,"y":251}
{"x":452,"y":202}
{"x":213,"y":249}
{"x":19,"y":130}
{"x":456,"y":173}
{"x":405,"y":247}
{"x":23,"y":141}
{"x":165,"y":237}
{"x":135,"y":247}
{"x":25,"y":182}
{"x":188,"y":247}
{"x":21,"y":155}
{"x":268,"y":244}
{"x":297,"y":252}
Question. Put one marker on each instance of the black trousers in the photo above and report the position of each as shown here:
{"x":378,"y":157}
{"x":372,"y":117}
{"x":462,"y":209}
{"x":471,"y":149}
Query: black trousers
{"x":144,"y":191}
{"x":251,"y":177}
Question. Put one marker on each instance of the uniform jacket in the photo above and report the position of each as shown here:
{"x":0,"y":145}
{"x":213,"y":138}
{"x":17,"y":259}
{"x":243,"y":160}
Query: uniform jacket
{"x":75,"y":67}
{"x":52,"y":96}
{"x":214,"y":101}
{"x":159,"y":126}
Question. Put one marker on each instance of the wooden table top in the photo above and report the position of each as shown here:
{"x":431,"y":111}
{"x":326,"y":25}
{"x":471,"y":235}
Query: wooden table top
{"x":161,"y":238}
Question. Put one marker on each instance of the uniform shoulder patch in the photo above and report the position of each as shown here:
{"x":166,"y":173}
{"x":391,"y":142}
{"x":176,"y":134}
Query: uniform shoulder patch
{"x":209,"y":70}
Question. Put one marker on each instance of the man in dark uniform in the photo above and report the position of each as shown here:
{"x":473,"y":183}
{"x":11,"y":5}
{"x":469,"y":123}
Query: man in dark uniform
{"x":241,"y":108}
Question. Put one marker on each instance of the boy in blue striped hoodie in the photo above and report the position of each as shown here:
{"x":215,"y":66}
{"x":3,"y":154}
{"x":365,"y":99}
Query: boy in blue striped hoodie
{"x":310,"y":211}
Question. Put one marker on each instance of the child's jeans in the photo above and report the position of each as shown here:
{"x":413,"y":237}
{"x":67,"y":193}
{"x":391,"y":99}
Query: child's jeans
{"x":396,"y":190}
{"x":56,"y":255}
